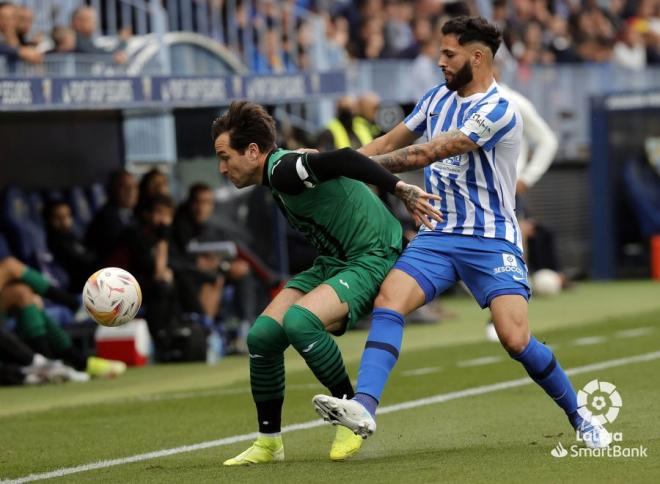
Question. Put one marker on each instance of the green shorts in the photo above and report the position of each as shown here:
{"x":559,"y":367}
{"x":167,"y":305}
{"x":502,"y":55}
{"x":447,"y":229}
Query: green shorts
{"x":356,"y":282}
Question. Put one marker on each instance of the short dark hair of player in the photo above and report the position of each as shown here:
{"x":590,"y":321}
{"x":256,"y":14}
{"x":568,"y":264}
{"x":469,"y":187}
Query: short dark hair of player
{"x":246,"y":123}
{"x":473,"y":29}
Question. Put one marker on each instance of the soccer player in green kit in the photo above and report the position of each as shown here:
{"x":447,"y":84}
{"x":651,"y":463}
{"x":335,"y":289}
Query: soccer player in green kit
{"x":358,"y":240}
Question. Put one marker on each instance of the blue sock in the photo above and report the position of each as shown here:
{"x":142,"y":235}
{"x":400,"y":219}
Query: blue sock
{"x":542,"y":366}
{"x":380,"y":354}
{"x":367,"y":401}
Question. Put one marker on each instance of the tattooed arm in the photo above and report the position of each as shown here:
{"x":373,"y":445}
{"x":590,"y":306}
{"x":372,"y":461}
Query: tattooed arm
{"x":412,"y":157}
{"x":417,"y":202}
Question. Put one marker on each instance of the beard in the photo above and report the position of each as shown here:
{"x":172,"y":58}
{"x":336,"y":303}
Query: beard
{"x":462,"y":77}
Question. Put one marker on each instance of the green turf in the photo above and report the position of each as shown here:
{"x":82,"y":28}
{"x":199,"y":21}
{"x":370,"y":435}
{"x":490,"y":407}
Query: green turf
{"x":505,"y":435}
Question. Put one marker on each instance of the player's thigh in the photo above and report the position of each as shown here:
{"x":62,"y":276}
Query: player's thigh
{"x":400,"y":292}
{"x":324,"y":302}
{"x":509,"y":315}
{"x":423,"y":272}
{"x":491,"y":268}
{"x":282,"y":302}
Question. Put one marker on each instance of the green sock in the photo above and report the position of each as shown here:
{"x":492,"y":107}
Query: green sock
{"x":31,"y":322}
{"x":35,"y":280}
{"x":309,"y":337}
{"x":266,"y":343}
{"x":58,"y":339}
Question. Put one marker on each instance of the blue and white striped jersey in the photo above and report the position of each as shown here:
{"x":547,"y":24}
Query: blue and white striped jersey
{"x":477,"y":188}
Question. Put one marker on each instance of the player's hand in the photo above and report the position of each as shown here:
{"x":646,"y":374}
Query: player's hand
{"x":417,"y":202}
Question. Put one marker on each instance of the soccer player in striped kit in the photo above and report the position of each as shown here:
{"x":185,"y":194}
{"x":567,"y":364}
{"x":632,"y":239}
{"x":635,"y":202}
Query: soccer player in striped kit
{"x":474,"y":134}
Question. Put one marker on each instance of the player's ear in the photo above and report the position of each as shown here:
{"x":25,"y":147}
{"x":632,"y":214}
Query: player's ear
{"x":477,"y":57}
{"x":253,"y":151}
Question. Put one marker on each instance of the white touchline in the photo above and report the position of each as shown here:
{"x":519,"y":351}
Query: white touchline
{"x":445,"y":397}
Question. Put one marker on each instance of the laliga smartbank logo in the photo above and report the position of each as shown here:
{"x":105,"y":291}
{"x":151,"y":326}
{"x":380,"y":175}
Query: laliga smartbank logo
{"x":599,"y":402}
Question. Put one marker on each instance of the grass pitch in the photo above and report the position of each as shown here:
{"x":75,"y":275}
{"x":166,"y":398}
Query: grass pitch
{"x":503,"y":435}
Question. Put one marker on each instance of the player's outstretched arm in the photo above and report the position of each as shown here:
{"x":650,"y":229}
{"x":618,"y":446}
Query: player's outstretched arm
{"x":417,"y":156}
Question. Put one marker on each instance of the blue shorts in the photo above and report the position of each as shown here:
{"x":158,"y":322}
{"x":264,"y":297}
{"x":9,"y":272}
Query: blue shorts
{"x":488,"y":267}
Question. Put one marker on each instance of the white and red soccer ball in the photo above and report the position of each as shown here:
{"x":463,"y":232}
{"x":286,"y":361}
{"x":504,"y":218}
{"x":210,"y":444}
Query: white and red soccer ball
{"x":112,"y":296}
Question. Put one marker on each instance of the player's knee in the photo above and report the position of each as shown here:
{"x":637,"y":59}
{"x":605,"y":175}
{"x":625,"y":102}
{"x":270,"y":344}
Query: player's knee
{"x":266,"y":336}
{"x":18,"y":295}
{"x":384,"y":300}
{"x":299,"y":324}
{"x":515,"y":342}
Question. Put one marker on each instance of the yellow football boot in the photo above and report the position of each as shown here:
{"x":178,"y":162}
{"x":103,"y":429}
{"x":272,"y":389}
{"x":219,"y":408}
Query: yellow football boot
{"x":264,"y":450}
{"x":345,"y":445}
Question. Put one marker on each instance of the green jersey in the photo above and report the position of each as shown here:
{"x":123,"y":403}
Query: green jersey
{"x":340,"y":217}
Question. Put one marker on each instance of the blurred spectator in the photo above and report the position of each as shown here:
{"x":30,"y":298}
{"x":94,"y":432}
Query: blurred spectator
{"x":152,"y":184}
{"x":424,"y":70}
{"x":343,"y":131}
{"x":10,"y":42}
{"x":64,"y":40}
{"x":24,"y":19}
{"x":146,"y":251}
{"x":367,"y":109}
{"x":397,"y":30}
{"x":20,"y":287}
{"x":67,"y":246}
{"x":630,"y":50}
{"x":115,"y":216}
{"x":194,"y":224}
{"x":84,"y":22}
{"x":19,"y":365}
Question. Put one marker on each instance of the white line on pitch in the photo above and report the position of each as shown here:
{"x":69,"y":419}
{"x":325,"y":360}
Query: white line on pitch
{"x":421,"y":371}
{"x":589,"y":340}
{"x":633,"y":333}
{"x":445,"y":397}
{"x":486,"y":360}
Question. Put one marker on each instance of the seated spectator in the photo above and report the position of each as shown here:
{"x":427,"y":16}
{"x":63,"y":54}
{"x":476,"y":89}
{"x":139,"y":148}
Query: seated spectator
{"x":85,"y":23}
{"x":64,"y":40}
{"x":19,"y":365}
{"x":10,"y":42}
{"x":115,"y":216}
{"x":146,"y":250}
{"x":67,"y":246}
{"x":20,"y":289}
{"x":192,"y":223}
{"x":152,"y":184}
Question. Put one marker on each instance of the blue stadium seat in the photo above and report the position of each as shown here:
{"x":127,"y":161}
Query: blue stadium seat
{"x":16,"y":224}
{"x":97,"y":196}
{"x":4,"y":247}
{"x":81,"y":208}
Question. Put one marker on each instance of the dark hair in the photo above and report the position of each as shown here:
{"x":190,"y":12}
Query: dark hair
{"x":51,"y":205}
{"x":246,"y":123}
{"x":473,"y":29}
{"x":198,"y":188}
{"x":114,"y":181}
{"x":158,"y":200}
{"x":146,"y":179}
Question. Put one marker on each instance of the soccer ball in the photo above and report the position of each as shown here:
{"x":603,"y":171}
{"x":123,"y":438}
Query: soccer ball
{"x":546,"y":282}
{"x":112,"y":296}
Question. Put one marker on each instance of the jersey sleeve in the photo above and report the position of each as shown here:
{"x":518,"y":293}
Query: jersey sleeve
{"x":291,"y":174}
{"x":489,"y":122}
{"x":296,"y":171}
{"x":416,"y":120}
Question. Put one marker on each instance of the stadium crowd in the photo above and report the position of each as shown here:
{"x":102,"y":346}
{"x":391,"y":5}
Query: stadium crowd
{"x":626,"y":32}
